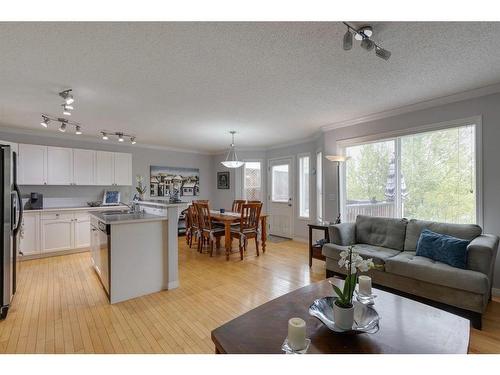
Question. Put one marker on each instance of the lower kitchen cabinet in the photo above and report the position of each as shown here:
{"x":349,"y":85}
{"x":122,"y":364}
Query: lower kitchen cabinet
{"x":82,"y":231}
{"x":57,"y":234}
{"x":29,"y":240}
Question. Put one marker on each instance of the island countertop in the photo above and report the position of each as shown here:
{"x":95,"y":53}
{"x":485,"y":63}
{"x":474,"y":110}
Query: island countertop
{"x":126,"y":218}
{"x":160,"y":203}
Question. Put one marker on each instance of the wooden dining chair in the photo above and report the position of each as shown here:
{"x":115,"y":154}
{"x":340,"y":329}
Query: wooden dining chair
{"x":192,"y":229}
{"x":237,"y":205}
{"x":254,"y":201}
{"x":200,"y":201}
{"x":248,"y":227}
{"x":208,"y":234}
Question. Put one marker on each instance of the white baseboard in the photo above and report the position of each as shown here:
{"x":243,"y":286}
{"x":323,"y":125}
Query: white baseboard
{"x":495,"y":292}
{"x":300,"y":239}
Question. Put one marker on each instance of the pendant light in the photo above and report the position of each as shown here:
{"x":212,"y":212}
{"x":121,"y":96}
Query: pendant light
{"x":231,"y":158}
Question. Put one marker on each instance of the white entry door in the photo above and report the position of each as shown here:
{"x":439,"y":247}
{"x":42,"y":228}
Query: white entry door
{"x":281,"y":197}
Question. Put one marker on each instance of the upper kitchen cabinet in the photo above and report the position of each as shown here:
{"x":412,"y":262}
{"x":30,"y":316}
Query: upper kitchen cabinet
{"x":84,"y":171}
{"x":32,"y":165}
{"x":123,"y":169}
{"x":59,"y":166}
{"x":105,"y":168}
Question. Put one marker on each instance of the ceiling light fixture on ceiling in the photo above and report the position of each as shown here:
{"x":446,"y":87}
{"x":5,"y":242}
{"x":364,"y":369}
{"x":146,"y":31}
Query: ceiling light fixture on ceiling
{"x":67,"y":96}
{"x":62,"y":128}
{"x":120,"y":136}
{"x":231,"y":157}
{"x":45,"y":121}
{"x":363,"y":34}
{"x":66,"y":111}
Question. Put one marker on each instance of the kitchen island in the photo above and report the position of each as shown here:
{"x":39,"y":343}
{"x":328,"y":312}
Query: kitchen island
{"x":134,"y":253}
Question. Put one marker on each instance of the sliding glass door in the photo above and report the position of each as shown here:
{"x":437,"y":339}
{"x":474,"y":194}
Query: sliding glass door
{"x":427,"y":175}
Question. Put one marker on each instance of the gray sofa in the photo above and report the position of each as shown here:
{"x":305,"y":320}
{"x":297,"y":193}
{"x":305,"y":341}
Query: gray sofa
{"x":392,"y":243}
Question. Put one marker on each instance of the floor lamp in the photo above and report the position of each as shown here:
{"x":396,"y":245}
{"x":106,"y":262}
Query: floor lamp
{"x":337,"y":159}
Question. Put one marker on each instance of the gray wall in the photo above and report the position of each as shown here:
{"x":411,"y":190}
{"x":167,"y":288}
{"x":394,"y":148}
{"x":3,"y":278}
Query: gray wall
{"x":142,"y":158}
{"x":487,"y":106}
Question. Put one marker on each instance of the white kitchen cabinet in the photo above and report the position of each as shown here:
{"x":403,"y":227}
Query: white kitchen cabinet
{"x":105,"y":168}
{"x":59,"y":166}
{"x":57,"y":232}
{"x":84,"y":172}
{"x":29,"y":239}
{"x":122,"y":169}
{"x":32,"y":165}
{"x":81,"y":230}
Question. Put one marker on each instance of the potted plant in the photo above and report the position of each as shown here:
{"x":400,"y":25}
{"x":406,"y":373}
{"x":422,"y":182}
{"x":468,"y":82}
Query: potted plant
{"x":140,"y":188}
{"x":343,"y":308}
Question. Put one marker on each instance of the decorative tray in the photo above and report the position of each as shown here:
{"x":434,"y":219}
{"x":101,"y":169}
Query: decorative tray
{"x":366,"y":318}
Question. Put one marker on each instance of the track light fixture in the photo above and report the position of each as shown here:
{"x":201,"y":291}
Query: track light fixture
{"x":46,"y":119}
{"x":363,"y":34}
{"x":120,"y":136}
{"x":67,"y":96}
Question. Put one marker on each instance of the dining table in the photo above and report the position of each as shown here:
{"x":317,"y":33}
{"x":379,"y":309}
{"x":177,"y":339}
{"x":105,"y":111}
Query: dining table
{"x":229,"y":218}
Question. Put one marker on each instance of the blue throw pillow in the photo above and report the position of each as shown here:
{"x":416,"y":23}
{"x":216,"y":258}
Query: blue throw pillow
{"x":443,"y":248}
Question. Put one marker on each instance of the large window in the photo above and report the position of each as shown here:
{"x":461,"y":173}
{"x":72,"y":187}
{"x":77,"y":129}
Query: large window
{"x":428,"y":175}
{"x":304,"y":186}
{"x":252,"y":181}
{"x":319,"y":186}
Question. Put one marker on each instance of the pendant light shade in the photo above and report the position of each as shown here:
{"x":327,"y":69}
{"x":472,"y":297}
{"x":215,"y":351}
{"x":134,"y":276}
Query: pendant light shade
{"x":347,"y":42}
{"x":231,"y":157}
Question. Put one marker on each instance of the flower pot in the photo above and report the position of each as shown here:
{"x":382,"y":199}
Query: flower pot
{"x":343,"y":317}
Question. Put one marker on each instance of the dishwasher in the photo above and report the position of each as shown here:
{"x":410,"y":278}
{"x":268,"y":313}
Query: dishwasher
{"x":100,"y":249}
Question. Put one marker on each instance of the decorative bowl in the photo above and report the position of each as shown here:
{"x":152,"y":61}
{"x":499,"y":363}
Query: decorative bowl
{"x":366,"y":318}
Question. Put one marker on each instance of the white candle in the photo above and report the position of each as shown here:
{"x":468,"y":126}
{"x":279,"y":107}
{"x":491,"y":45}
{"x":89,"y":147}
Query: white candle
{"x":297,"y":333}
{"x":365,"y":285}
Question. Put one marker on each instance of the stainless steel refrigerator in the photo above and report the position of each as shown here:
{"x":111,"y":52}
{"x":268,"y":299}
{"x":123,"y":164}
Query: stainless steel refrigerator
{"x":11,"y":214}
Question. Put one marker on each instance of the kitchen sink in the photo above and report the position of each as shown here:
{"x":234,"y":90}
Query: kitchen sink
{"x":122,"y":212}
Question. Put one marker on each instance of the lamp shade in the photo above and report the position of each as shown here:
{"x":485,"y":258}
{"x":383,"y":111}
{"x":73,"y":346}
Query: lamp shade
{"x":232,"y":159}
{"x":337,"y":158}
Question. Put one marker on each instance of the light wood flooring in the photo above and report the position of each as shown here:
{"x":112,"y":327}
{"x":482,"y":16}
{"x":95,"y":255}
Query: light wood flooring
{"x":60,"y":306}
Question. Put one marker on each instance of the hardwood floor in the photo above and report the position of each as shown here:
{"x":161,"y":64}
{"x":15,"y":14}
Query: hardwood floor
{"x":60,"y":306}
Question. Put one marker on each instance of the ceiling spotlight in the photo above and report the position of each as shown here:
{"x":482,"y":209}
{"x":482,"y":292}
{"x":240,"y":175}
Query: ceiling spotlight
{"x":347,"y":43}
{"x":62,"y":128}
{"x":67,"y":106}
{"x":66,"y":111}
{"x":382,"y":53}
{"x":104,"y":136}
{"x":120,"y":137}
{"x":78,"y":130}
{"x":364,"y":31}
{"x":132,"y":140}
{"x":67,"y":96}
{"x":367,"y":44}
{"x":45,"y":121}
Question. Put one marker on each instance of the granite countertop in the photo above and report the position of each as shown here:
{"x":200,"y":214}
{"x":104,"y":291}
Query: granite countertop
{"x":126,"y":218}
{"x":76,"y":208}
{"x":160,"y":203}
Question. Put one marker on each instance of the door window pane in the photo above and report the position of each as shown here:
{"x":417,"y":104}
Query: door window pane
{"x":304,"y":186}
{"x":280,"y":188}
{"x":370,"y":180}
{"x":252,"y":181}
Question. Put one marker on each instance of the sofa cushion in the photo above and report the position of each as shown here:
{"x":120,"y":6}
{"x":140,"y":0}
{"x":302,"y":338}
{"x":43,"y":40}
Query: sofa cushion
{"x":381,"y":231}
{"x":415,"y":227}
{"x":419,"y":268}
{"x":377,"y":253}
{"x":443,"y":248}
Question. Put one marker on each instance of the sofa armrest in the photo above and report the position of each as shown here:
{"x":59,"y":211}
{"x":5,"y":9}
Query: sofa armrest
{"x":342,"y":234}
{"x":481,"y":254}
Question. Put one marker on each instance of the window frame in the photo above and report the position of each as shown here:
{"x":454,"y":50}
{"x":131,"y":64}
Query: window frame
{"x":475,"y":121}
{"x":299,"y":157}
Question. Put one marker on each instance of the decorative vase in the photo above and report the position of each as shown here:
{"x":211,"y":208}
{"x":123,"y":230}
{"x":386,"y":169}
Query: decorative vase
{"x":343,"y":317}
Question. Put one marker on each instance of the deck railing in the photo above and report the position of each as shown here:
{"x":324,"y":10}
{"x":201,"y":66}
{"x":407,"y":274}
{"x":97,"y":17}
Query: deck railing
{"x":384,"y":209}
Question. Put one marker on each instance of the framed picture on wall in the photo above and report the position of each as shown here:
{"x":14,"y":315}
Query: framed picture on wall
{"x":222,"y":180}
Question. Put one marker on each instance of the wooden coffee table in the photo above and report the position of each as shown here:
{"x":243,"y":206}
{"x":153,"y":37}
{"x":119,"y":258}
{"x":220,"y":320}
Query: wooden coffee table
{"x":406,"y":326}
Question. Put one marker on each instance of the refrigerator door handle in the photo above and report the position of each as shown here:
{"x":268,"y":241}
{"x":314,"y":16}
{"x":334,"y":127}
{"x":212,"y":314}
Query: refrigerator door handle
{"x":19,"y":206}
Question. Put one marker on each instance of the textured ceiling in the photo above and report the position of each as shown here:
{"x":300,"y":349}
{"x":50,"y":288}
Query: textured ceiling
{"x":185,"y":85}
